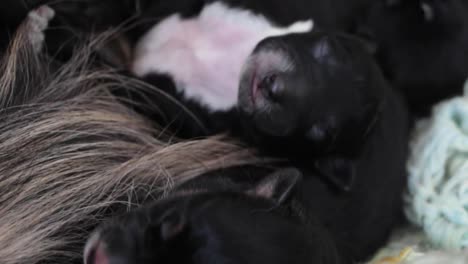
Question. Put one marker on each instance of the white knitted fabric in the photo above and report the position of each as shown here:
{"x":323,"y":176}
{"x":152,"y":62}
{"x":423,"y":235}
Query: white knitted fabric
{"x":437,"y":198}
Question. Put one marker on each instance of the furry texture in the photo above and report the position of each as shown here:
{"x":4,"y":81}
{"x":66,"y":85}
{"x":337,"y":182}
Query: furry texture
{"x":422,"y":48}
{"x":70,"y":154}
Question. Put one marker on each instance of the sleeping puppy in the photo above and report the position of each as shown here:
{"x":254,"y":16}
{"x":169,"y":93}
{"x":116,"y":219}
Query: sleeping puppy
{"x":207,"y":82}
{"x":315,"y":91}
{"x":302,"y":72}
{"x":290,"y":92}
{"x":214,"y":46}
{"x":330,"y":104}
{"x":217,"y":220}
{"x":422,"y":47}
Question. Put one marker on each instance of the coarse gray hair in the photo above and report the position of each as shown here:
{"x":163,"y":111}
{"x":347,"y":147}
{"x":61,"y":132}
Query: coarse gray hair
{"x":71,"y":154}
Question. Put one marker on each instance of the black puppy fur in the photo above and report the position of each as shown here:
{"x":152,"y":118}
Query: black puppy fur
{"x":422,"y":47}
{"x":326,"y":99}
{"x":349,"y":226}
{"x":218,"y":219}
{"x":321,"y":109}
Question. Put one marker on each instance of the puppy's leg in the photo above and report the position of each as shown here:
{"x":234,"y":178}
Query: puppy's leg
{"x":38,"y":21}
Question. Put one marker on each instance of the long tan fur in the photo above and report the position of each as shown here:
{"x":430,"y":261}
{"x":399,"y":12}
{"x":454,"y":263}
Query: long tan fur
{"x":71,"y":154}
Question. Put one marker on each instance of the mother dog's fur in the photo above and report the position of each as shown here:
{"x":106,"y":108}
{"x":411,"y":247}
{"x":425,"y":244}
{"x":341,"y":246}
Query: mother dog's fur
{"x":71,"y":153}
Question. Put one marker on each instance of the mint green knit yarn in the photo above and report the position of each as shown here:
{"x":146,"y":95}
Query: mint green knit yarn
{"x":437,"y":198}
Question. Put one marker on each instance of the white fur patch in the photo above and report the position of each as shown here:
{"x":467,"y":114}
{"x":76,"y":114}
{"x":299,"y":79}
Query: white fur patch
{"x":428,"y":11}
{"x":205,"y":54}
{"x":38,"y":20}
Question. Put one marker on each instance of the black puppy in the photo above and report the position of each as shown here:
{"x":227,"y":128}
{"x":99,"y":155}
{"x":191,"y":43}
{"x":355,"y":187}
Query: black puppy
{"x":202,"y":67}
{"x":301,"y":96}
{"x":213,"y":107}
{"x":422,"y":47}
{"x":217,"y":219}
{"x":315,"y":92}
{"x":298,"y":72}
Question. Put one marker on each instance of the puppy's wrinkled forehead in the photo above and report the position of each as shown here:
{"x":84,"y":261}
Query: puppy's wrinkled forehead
{"x":313,"y":58}
{"x":310,"y":52}
{"x":270,"y":60}
{"x":274,"y":52}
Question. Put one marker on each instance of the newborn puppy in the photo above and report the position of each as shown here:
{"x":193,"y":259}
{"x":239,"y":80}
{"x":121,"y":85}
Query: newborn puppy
{"x":317,"y":92}
{"x":217,"y":220}
{"x":167,"y":33}
{"x":320,"y":101}
{"x":306,"y":96}
{"x":422,"y":47}
{"x":203,"y":67}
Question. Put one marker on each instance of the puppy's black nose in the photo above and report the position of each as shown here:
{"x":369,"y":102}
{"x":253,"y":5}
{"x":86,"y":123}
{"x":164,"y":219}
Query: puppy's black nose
{"x":271,"y":86}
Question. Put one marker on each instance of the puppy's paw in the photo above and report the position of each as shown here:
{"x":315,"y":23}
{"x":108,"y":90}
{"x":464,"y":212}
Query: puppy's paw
{"x":38,"y":21}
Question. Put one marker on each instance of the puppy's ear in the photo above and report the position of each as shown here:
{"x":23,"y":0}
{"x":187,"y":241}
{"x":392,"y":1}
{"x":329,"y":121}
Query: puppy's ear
{"x":173,"y":223}
{"x":338,"y":171}
{"x":277,"y":186}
